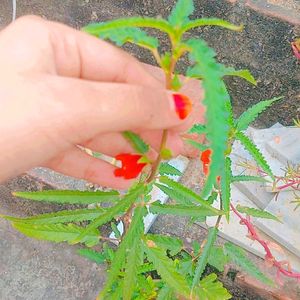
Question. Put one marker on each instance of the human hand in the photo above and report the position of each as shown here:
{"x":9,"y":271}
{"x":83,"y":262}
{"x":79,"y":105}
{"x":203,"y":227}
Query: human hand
{"x":60,"y":88}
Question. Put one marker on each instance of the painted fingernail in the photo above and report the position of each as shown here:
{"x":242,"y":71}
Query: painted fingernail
{"x":183,"y":105}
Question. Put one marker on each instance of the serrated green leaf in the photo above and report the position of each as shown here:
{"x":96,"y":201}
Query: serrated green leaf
{"x":217,"y":114}
{"x":198,"y":128}
{"x":238,"y":256}
{"x":112,"y":212}
{"x":134,"y":259}
{"x":136,"y":142}
{"x":165,"y":168}
{"x":133,"y":35}
{"x":245,"y":74}
{"x":202,"y":262}
{"x":145,"y":268}
{"x":181,"y":12}
{"x":225,"y":187}
{"x":254,"y":212}
{"x":64,"y":216}
{"x":57,"y":232}
{"x":182,"y":210}
{"x":92,"y":255}
{"x":187,"y":193}
{"x":133,"y":235}
{"x":196,"y":145}
{"x":255,"y":153}
{"x":239,"y":178}
{"x":165,"y":61}
{"x":172,"y":244}
{"x":70,"y":197}
{"x":211,"y":289}
{"x":210,"y":22}
{"x":160,"y":24}
{"x":217,"y":258}
{"x":252,"y":113}
{"x":167,"y":270}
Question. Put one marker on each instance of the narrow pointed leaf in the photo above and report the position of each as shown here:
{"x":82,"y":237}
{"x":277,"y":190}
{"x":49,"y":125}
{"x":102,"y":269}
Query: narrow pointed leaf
{"x":186,"y":192}
{"x":182,"y":210}
{"x":92,"y":255}
{"x":134,"y":233}
{"x":217,"y":258}
{"x":255,"y":153}
{"x":239,"y":178}
{"x":196,"y":145}
{"x":215,"y":101}
{"x":254,"y":212}
{"x":172,"y":244}
{"x":70,"y":197}
{"x":57,"y":232}
{"x":202,"y":262}
{"x":238,"y":256}
{"x":112,"y":212}
{"x":212,"y":289}
{"x":136,"y":141}
{"x":168,"y":169}
{"x":132,"y":35}
{"x":252,"y":113}
{"x":245,"y":74}
{"x":198,"y":128}
{"x":167,"y":270}
{"x":64,"y":216}
{"x":225,"y":187}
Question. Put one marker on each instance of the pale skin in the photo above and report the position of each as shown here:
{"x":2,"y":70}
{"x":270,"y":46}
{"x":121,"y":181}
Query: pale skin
{"x":60,"y":88}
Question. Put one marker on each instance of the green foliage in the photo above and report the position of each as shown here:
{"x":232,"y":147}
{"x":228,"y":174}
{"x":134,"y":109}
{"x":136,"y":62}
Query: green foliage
{"x":112,"y":212}
{"x":217,"y":258}
{"x":70,"y":197}
{"x":215,"y":101}
{"x":133,"y":236}
{"x":238,"y":256}
{"x":186,"y":193}
{"x":252,"y":113}
{"x":136,"y":142}
{"x":239,"y":178}
{"x":182,"y":210}
{"x":160,"y":24}
{"x":115,"y":230}
{"x":165,"y":293}
{"x":132,"y":35}
{"x":196,"y":145}
{"x":198,"y":128}
{"x":245,"y":74}
{"x":202,"y":262}
{"x":64,"y":216}
{"x":257,"y":213}
{"x":165,"y":268}
{"x":174,"y":245}
{"x":254,"y":151}
{"x":211,"y":289}
{"x":57,"y":233}
{"x":180,"y":13}
{"x":225,"y":187}
{"x":167,"y":169}
{"x":92,"y":255}
{"x":176,"y":84}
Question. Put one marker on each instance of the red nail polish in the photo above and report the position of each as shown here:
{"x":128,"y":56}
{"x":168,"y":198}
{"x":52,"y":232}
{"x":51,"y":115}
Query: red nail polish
{"x":183,"y":105}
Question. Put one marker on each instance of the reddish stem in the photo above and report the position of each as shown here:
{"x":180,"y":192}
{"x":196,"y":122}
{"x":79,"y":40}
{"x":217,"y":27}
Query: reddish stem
{"x":269,"y":256}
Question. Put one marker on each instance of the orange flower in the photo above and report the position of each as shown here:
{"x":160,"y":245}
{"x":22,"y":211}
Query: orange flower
{"x":130,"y":167}
{"x":205,"y":158}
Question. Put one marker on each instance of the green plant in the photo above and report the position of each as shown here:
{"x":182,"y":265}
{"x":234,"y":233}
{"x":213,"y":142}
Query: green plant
{"x":147,"y":266}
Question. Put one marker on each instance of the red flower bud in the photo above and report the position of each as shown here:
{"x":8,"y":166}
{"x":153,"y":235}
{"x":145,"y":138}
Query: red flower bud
{"x":205,"y":158}
{"x":130,"y":167}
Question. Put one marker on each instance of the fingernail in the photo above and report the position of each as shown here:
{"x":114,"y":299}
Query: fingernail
{"x":183,"y":105}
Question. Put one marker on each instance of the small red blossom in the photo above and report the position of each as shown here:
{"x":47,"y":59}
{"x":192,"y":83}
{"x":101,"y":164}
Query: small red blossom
{"x":296,"y":48}
{"x":130,"y":167}
{"x":183,"y":105}
{"x":205,"y":158}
